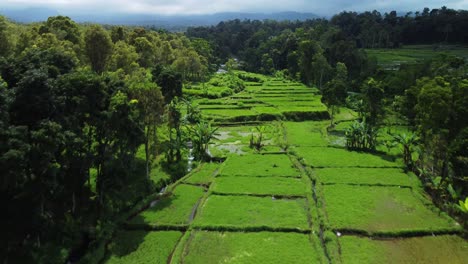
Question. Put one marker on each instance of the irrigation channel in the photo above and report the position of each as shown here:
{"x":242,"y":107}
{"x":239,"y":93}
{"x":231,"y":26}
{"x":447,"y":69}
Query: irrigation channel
{"x":300,"y":198}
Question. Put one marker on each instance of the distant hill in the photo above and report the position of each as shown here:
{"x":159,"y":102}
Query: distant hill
{"x":28,"y":15}
{"x":164,"y":21}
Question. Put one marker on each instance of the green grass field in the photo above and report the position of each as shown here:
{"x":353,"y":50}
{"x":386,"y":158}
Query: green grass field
{"x":260,"y":165}
{"x":259,"y":185}
{"x":414,"y":53}
{"x":175,"y":209}
{"x":267,"y":100}
{"x":258,"y":207}
{"x":247,"y":212}
{"x":418,"y":250}
{"x":262,"y":247}
{"x":370,"y":176}
{"x":339,"y":157}
{"x":381,"y":209}
{"x":205,"y":175}
{"x":142,"y":247}
{"x":306,"y":133}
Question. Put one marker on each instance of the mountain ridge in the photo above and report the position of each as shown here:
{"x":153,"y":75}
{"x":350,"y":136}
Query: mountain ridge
{"x":159,"y":20}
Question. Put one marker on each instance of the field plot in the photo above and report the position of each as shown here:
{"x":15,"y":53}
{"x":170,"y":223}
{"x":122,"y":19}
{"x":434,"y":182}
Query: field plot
{"x":142,"y":247}
{"x":414,"y":53}
{"x":418,"y":250}
{"x":369,"y":176}
{"x":261,"y":247}
{"x":381,"y":209}
{"x":260,"y":165}
{"x":175,"y":209}
{"x":260,"y":185}
{"x":205,"y":175}
{"x":306,"y":133}
{"x":339,"y":157}
{"x":265,"y":101}
{"x":252,"y":212}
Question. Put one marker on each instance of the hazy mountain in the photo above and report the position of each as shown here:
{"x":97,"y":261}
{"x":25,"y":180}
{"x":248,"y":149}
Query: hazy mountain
{"x":29,"y":14}
{"x":165,"y":21}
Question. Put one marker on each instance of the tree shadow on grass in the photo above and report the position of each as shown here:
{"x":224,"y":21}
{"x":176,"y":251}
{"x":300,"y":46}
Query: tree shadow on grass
{"x":150,"y":213}
{"x":124,"y":243}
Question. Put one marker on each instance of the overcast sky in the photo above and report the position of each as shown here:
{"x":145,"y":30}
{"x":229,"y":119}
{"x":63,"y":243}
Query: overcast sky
{"x":321,"y":7}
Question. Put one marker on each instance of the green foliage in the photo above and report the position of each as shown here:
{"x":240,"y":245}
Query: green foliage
{"x":98,"y":47}
{"x":463,"y":206}
{"x":373,"y":94}
{"x":169,"y":81}
{"x":407,"y":142}
{"x":201,"y":135}
{"x":361,"y":136}
{"x":256,"y":138}
{"x":5,"y":39}
{"x":63,"y":28}
{"x":124,"y":56}
{"x":434,"y":102}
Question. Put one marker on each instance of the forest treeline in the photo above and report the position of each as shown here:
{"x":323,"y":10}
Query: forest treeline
{"x":77,"y":105}
{"x":366,"y":29}
{"x":85,"y":110}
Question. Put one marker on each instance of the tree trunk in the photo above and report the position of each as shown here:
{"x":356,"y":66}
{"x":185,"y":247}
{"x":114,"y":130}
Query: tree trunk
{"x":147,"y":153}
{"x":73,"y":203}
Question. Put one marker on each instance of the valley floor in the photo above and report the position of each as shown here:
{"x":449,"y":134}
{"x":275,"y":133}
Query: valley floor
{"x":303,"y":198}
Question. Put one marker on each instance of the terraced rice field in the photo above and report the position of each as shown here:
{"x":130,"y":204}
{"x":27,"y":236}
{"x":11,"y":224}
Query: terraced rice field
{"x":270,"y":100}
{"x":314,"y":202}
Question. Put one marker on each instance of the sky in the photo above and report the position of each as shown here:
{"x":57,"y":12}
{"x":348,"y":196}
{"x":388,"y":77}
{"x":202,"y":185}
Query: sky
{"x":176,"y":7}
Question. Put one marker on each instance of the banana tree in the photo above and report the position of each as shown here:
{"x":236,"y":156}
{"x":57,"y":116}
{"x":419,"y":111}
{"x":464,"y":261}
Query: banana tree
{"x":407,"y":141}
{"x":201,"y":134}
{"x":463,"y":206}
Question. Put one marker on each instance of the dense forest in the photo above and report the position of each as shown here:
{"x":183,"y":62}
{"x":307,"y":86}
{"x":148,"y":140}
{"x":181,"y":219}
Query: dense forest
{"x":91,"y":115}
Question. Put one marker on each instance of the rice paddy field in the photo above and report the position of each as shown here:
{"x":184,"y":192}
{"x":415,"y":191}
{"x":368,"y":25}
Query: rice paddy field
{"x":270,"y":99}
{"x":414,"y":53}
{"x":302,"y":198}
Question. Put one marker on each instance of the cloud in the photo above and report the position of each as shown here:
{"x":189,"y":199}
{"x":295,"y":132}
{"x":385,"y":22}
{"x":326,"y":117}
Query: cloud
{"x":214,"y":6}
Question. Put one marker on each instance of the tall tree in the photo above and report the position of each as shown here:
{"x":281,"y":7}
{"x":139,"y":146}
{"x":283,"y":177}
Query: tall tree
{"x":334,"y":94}
{"x":5,"y":37}
{"x":150,"y":100}
{"x":98,"y":47}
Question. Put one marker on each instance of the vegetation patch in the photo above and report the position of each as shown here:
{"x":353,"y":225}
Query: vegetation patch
{"x":306,"y":133}
{"x":259,"y":185}
{"x":339,"y":157}
{"x":260,"y":165}
{"x":262,"y":247}
{"x":174,"y":209}
{"x":381,"y":209}
{"x":245,"y":211}
{"x":365,"y":176}
{"x":430,"y":249}
{"x":205,"y":175}
{"x":142,"y":247}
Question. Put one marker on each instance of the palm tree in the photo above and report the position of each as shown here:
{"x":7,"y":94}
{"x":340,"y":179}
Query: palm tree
{"x":202,"y":133}
{"x":407,"y":141}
